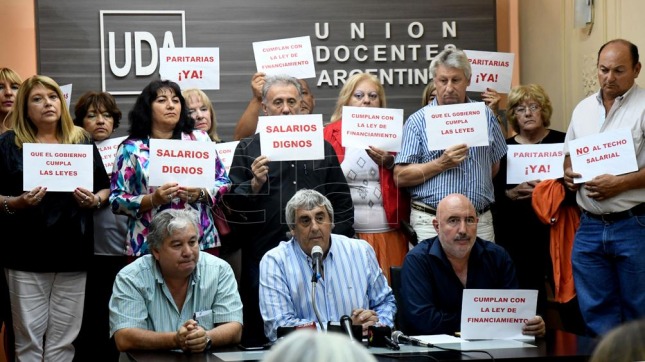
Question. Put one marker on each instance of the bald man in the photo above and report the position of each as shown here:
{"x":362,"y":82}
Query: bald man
{"x":436,"y":272}
{"x":607,"y":256}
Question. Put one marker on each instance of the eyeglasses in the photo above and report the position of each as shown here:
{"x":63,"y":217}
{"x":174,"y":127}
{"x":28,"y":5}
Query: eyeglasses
{"x":456,"y":221}
{"x":371,"y":95}
{"x":532,"y":108}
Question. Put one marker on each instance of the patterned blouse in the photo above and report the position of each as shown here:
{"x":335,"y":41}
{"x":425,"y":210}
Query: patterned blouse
{"x":129,"y":185}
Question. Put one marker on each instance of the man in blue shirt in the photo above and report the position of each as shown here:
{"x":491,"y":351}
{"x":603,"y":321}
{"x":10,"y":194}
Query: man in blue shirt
{"x":436,"y":272}
{"x":352,"y":283}
{"x":177,"y":297}
{"x":430,"y":175}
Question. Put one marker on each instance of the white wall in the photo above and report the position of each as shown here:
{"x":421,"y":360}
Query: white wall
{"x":563,"y":59}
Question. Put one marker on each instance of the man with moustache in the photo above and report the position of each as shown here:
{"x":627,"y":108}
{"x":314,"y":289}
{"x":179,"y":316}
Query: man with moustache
{"x":609,"y":247}
{"x":436,"y":272}
{"x":262,"y":188}
{"x":351,"y":284}
{"x":248,"y":122}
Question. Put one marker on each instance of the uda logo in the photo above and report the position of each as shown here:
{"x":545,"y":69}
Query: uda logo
{"x":130,"y":42}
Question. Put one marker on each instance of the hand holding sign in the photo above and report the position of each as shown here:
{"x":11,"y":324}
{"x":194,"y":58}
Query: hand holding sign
{"x":453,"y":156}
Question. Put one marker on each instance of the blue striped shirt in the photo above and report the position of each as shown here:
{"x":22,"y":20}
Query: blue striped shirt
{"x":141,"y":298}
{"x":472,"y":178}
{"x":353,"y":279}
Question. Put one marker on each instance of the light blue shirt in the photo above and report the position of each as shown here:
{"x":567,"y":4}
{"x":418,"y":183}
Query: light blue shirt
{"x":353,"y":279}
{"x":472,"y":178}
{"x":141,"y":298}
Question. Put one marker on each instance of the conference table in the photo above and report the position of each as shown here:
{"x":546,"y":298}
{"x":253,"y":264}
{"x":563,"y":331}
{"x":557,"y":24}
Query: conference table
{"x":557,"y":345}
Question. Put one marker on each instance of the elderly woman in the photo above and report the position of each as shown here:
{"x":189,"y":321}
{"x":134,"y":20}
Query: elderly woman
{"x":201,"y":110}
{"x":529,"y":115}
{"x":379,"y":206}
{"x":160,"y":112}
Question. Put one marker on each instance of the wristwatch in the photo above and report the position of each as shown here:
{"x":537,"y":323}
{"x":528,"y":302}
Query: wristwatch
{"x":209,"y":344}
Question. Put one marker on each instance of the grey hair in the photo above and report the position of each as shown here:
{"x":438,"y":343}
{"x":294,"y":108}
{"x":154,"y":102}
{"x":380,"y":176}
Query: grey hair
{"x":312,"y":346}
{"x":452,"y":58}
{"x":308,"y":200}
{"x":167,"y":222}
{"x":282,"y":79}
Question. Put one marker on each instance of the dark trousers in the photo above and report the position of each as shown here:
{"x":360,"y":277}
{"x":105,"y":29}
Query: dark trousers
{"x":94,"y":338}
{"x":253,"y":332}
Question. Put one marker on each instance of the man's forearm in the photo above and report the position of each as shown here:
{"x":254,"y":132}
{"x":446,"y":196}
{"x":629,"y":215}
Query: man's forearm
{"x":413,"y":174}
{"x":226,"y":334}
{"x":248,"y":123}
{"x":128,"y":339}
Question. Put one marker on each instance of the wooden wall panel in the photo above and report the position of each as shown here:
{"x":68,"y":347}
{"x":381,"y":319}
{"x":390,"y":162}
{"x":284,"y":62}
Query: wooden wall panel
{"x":69,"y":41}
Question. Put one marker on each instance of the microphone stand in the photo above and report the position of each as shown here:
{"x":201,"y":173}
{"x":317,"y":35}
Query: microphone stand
{"x":314,"y":282}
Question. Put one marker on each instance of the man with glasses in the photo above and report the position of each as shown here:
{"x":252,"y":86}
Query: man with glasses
{"x":262,"y":188}
{"x":608,"y":251}
{"x":430,"y":175}
{"x":436,"y":272}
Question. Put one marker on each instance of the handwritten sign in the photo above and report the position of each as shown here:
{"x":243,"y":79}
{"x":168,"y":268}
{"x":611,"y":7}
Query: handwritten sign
{"x":291,"y":56}
{"x":67,"y":94}
{"x":60,"y":168}
{"x":367,"y":126}
{"x":610,"y":152}
{"x":190,"y":164}
{"x":107,"y":149}
{"x":455,"y":124}
{"x":534,"y":162}
{"x":292,"y":138}
{"x":496,"y":313}
{"x":490,"y":70}
{"x":225,"y":151}
{"x":190,"y":67}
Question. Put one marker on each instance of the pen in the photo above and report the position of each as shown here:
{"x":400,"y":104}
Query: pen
{"x":305,"y":167}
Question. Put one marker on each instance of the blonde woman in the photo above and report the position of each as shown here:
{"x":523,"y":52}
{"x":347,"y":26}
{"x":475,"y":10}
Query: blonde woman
{"x":379,"y":206}
{"x":201,"y":110}
{"x":46,"y":265}
{"x":9,"y":84}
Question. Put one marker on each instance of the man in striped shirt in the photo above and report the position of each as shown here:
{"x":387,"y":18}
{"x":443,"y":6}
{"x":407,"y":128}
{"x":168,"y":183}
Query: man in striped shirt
{"x":351,"y":283}
{"x":176,"y":297}
{"x":431,"y":175}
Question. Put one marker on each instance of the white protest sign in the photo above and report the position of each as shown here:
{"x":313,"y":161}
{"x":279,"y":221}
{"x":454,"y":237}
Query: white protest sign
{"x":58,"y":167}
{"x":67,"y":94}
{"x":534,"y":162}
{"x":490,"y":70}
{"x":609,"y":152}
{"x":189,"y":163}
{"x":292,"y":138}
{"x":190,"y":67}
{"x":456,"y":124}
{"x":292,"y":56}
{"x":496,"y":313}
{"x":225,"y":151}
{"x":368,"y":126}
{"x":107,"y":149}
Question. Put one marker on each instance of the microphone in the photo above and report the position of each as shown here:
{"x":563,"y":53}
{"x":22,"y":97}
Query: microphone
{"x":399,"y":337}
{"x":391,"y":344}
{"x":346,"y":324}
{"x":317,"y":255}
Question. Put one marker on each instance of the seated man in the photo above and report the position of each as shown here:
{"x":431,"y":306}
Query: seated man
{"x":177,"y":297}
{"x":436,"y":272}
{"x":352,"y":283}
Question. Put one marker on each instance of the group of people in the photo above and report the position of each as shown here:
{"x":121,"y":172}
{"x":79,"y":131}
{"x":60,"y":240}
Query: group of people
{"x":139,"y":262}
